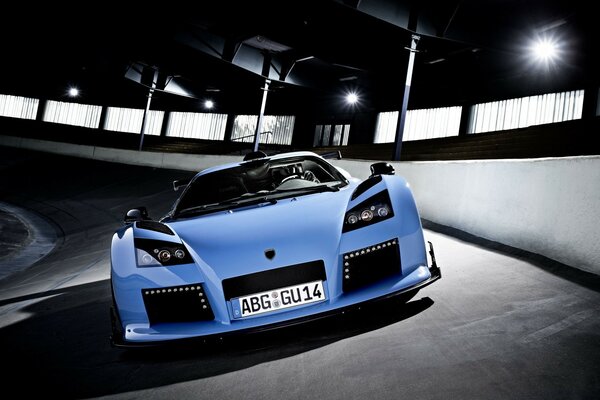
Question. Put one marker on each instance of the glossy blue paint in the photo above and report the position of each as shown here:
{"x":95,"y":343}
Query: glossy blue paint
{"x":228,"y":244}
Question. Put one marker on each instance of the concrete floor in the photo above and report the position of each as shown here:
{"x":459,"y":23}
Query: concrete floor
{"x":497,"y":326}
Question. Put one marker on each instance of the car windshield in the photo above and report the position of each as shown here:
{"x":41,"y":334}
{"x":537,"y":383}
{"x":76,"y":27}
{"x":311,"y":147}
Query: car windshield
{"x":258,"y":181}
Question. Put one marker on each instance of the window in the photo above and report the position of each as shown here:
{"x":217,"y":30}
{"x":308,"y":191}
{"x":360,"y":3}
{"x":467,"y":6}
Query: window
{"x":318,"y":132}
{"x":85,"y":115}
{"x":326,"y":133}
{"x":331,"y":135}
{"x":277,"y":129}
{"x":18,"y":107}
{"x":526,"y":111}
{"x":346,"y":135}
{"x":197,"y":125}
{"x":130,"y":120}
{"x":385,"y":130}
{"x":420,"y":124}
{"x":337,"y":135}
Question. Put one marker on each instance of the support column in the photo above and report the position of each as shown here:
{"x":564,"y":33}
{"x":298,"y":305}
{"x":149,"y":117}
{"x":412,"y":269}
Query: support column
{"x":402,"y":117}
{"x":591,"y":104}
{"x":147,"y":109}
{"x":39,"y":116}
{"x":261,"y":115}
{"x":266,"y":69}
{"x":102,"y":122}
{"x":465,"y":119}
{"x":165,"y":123}
{"x":229,"y":127}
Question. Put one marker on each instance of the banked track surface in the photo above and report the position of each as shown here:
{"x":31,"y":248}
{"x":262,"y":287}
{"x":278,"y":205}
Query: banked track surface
{"x":496,"y":326}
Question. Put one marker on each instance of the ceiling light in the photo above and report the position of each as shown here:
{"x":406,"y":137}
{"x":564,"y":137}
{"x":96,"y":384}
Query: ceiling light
{"x":545,"y":50}
{"x":305,"y":58}
{"x":352,"y":98}
{"x":209,"y":104}
{"x":73,"y":92}
{"x":438,"y":60}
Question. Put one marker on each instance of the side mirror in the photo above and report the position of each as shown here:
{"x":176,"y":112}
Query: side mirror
{"x":337,"y":155}
{"x":136,"y":214}
{"x":181,"y":182}
{"x":382,"y":168}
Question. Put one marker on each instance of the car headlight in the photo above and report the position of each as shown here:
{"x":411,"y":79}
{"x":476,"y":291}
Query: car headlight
{"x":371,"y":211}
{"x":156,"y":253}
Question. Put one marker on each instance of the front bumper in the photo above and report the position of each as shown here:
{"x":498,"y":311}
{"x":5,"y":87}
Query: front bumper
{"x":117,"y":339}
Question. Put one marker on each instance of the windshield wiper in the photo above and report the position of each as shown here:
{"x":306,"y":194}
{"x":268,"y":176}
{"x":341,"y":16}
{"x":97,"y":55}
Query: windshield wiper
{"x":237,"y":202}
{"x":206,"y":207}
{"x":309,"y":189}
{"x":253,"y":199}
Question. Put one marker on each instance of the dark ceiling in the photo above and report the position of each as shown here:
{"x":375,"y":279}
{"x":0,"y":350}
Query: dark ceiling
{"x":469,"y":51}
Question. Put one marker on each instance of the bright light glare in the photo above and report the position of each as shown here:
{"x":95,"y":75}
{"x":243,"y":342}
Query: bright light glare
{"x":545,"y":50}
{"x":73,"y":92}
{"x":352,"y":98}
{"x":209,"y":104}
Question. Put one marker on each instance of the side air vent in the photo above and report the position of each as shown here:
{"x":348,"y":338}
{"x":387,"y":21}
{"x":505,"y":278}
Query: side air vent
{"x":365,"y":185}
{"x":154,"y":226}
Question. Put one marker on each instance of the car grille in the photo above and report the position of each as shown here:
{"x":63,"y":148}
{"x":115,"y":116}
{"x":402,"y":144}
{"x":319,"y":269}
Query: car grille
{"x":274,"y":279}
{"x":187,"y":303}
{"x":370,"y":264}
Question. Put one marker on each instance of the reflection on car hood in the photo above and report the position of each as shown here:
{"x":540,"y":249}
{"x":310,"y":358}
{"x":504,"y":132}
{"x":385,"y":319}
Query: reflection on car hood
{"x":298,"y":229}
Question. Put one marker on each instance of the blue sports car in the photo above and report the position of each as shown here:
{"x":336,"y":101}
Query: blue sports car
{"x":266,"y":242}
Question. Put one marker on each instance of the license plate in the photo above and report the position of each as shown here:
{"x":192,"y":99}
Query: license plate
{"x":278,"y":299}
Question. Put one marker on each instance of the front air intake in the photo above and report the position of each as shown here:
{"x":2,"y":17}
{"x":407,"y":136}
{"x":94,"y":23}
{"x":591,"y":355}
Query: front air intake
{"x":370,"y":264}
{"x":274,"y":279}
{"x":186,"y":303}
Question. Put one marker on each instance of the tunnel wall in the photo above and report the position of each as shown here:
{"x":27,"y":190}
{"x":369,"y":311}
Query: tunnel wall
{"x":548,"y":206}
{"x":187,"y":162}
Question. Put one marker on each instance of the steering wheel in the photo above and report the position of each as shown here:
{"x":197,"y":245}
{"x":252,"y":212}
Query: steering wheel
{"x":310,"y":176}
{"x":287,"y":178}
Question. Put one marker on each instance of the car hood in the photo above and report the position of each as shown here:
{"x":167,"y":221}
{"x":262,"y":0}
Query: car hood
{"x":300,"y":229}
